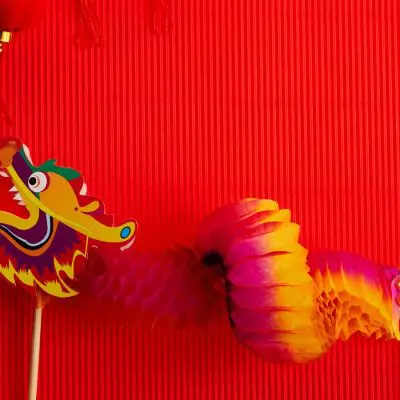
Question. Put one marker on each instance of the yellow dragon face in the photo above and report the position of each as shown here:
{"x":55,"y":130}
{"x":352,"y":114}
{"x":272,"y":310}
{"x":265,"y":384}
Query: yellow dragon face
{"x":47,"y":220}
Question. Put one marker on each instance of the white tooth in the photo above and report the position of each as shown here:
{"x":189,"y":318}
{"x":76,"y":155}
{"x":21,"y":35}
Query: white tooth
{"x":27,"y":153}
{"x":3,"y":174}
{"x":17,"y":197}
{"x":21,"y":203}
{"x":83,"y":191}
{"x":13,"y":189}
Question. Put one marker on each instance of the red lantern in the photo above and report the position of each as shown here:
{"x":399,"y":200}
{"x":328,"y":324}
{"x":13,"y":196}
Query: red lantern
{"x":16,"y":15}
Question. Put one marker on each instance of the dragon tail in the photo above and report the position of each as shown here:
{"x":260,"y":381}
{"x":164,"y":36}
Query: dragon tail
{"x":247,"y":257}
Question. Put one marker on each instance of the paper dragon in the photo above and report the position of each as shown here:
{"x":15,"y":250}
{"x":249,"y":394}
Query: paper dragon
{"x":284,"y":304}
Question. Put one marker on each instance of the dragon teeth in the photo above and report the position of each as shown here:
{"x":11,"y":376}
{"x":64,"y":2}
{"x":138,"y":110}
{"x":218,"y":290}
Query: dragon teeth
{"x":83,"y":191}
{"x":17,"y":197}
{"x":3,"y":174}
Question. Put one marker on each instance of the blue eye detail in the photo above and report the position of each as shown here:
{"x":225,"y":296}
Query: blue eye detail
{"x":125,"y":232}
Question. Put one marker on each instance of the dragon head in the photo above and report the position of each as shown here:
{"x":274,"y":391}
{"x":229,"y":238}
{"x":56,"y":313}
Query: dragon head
{"x":47,"y":220}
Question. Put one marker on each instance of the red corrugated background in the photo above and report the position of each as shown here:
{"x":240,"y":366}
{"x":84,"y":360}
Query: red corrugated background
{"x":293,"y":100}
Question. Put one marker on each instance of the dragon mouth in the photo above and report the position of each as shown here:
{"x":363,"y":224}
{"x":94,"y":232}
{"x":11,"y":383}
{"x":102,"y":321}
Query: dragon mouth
{"x":10,"y":198}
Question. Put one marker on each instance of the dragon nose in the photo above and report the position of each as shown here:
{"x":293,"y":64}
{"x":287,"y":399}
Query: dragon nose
{"x":8,"y":148}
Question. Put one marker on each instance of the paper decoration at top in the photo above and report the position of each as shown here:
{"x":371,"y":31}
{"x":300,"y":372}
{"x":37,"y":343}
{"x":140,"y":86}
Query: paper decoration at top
{"x":47,"y":221}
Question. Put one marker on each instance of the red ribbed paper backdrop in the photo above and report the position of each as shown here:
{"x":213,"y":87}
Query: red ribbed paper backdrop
{"x":293,"y":100}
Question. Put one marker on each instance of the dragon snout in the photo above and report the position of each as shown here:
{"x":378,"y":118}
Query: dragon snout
{"x":8,"y":148}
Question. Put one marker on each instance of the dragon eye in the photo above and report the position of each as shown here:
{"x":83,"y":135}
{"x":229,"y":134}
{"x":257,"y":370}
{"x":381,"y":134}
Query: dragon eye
{"x":38,"y":182}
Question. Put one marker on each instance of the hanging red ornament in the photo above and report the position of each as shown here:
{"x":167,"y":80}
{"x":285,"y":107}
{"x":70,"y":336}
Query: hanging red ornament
{"x":16,"y":15}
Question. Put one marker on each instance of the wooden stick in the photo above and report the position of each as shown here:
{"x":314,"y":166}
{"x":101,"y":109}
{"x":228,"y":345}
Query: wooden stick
{"x":37,"y":327}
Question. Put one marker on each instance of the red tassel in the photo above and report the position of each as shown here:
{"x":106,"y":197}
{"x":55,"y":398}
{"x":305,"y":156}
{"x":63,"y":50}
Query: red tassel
{"x":90,"y":32}
{"x":161,"y":15}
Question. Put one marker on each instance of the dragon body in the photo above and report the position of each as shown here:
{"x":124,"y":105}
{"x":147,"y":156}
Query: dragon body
{"x":284,"y":303}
